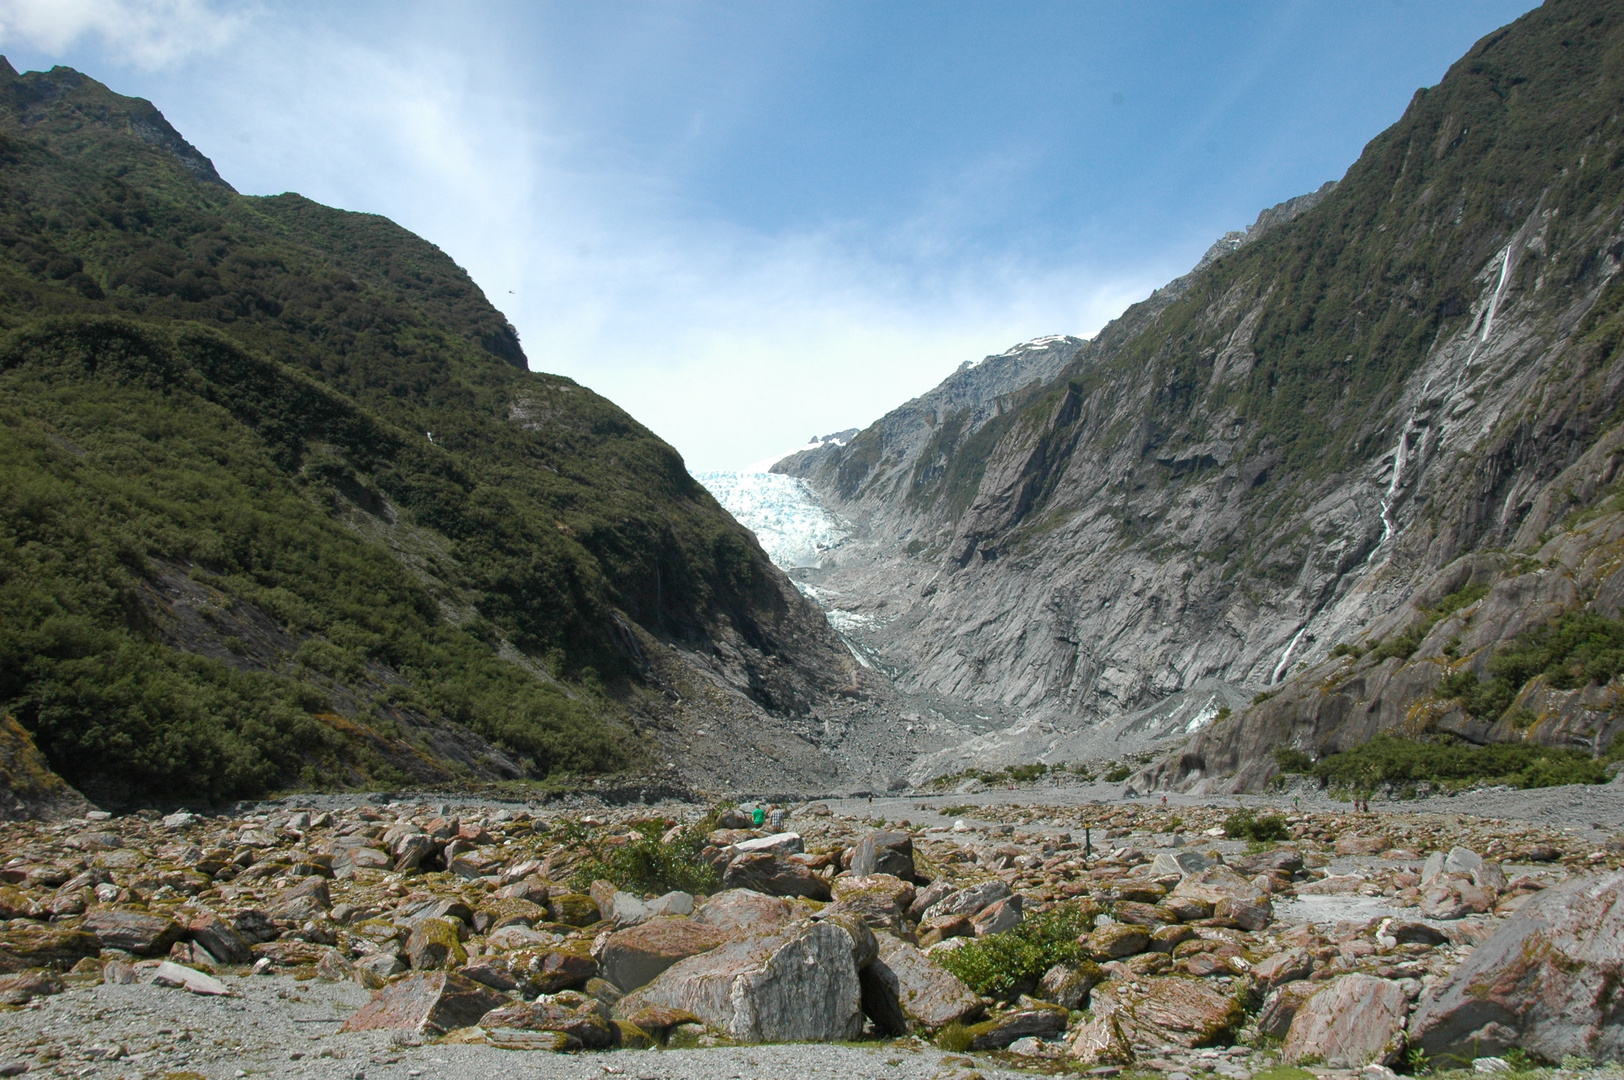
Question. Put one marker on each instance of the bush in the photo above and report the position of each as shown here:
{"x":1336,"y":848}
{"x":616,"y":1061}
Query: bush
{"x":1118,"y":774}
{"x":646,"y":864}
{"x":1573,"y":650}
{"x":1002,"y":965}
{"x":1292,"y":761}
{"x":1243,"y":824}
{"x":1447,"y":764}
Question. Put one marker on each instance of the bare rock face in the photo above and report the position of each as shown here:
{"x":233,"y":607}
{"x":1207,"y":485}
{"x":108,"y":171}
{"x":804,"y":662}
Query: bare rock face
{"x":925,"y":995}
{"x":636,"y":956}
{"x":799,"y":985}
{"x":430,"y":1003}
{"x":1354,"y":1021}
{"x":1546,"y":981}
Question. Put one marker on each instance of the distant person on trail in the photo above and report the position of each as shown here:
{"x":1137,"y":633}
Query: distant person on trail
{"x":758,"y":815}
{"x":775,"y":818}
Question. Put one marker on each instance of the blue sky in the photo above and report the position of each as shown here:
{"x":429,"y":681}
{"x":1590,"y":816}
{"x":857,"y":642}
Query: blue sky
{"x":748,"y":223}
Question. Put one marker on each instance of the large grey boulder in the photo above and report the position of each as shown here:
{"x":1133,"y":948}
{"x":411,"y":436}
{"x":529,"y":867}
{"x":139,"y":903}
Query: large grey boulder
{"x":970,"y":900}
{"x":799,"y":985}
{"x":884,"y":853}
{"x":1354,"y":1021}
{"x":1547,"y":981}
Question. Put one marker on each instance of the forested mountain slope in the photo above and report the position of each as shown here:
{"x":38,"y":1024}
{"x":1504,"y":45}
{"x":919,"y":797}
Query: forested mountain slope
{"x":1411,"y":388}
{"x":282,"y":504}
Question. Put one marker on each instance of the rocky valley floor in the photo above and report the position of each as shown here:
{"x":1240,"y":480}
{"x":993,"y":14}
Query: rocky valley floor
{"x":331,"y":937}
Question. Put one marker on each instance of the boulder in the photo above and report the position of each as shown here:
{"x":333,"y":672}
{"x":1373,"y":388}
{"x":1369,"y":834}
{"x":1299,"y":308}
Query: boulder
{"x":429,"y":1003}
{"x":879,"y":900}
{"x":1114,"y":941}
{"x":584,"y":1019}
{"x":1039,"y":1020}
{"x":574,"y":909}
{"x":32,"y":945}
{"x":657,"y":1020}
{"x":1185,"y":1012}
{"x":784,"y":843}
{"x":924,"y":899}
{"x":1246,"y":914}
{"x":1354,"y":1021}
{"x":775,"y":876}
{"x":1186,"y":908}
{"x":1546,"y":981}
{"x":1281,"y":1005}
{"x":745,"y":912}
{"x":220,"y":939}
{"x":798,"y":985}
{"x":1168,"y":863}
{"x":884,"y":852}
{"x":547,"y":971}
{"x":903,"y":982}
{"x":184,"y":978}
{"x":1102,"y":1040}
{"x":254,"y":926}
{"x":635,"y":956}
{"x":1286,"y":860}
{"x":1067,"y":985}
{"x":1282,"y":968}
{"x":25,"y":986}
{"x":1361,"y":844}
{"x":997,"y":917}
{"x":133,"y":931}
{"x":435,"y":944}
{"x":1217,"y":883}
{"x":970,"y":900}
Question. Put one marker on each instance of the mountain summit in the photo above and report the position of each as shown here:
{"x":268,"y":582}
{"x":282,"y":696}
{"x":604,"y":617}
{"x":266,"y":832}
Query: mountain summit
{"x":284,"y":506}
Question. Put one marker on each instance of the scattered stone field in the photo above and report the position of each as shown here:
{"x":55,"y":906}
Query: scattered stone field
{"x":432,"y":938}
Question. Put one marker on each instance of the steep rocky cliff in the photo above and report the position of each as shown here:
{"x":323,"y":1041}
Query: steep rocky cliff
{"x":283,"y":505}
{"x":1399,"y":388}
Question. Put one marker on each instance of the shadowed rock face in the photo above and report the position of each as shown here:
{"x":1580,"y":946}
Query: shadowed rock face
{"x":1386,"y":395}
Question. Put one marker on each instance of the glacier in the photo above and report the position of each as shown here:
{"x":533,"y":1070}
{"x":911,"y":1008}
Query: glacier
{"x":793,"y":527}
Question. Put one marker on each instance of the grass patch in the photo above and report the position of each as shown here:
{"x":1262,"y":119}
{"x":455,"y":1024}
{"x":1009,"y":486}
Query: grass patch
{"x":1002,"y":965}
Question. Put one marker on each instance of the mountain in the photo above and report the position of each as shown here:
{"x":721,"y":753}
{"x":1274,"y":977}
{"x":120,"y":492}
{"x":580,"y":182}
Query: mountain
{"x":283,"y":505}
{"x":1359,"y":465}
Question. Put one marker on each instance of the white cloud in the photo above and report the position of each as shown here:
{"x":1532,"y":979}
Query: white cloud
{"x":150,"y":34}
{"x":728,"y":341}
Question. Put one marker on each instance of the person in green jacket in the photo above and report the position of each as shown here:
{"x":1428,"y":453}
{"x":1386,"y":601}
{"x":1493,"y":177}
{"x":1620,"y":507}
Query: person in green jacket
{"x":758,"y":815}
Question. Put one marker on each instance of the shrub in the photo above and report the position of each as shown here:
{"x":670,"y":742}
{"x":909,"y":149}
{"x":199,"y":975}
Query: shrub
{"x":1243,"y":824}
{"x":645,"y":864}
{"x":1118,"y":774}
{"x":1390,"y":760}
{"x":1002,"y":965}
{"x":1292,"y":761}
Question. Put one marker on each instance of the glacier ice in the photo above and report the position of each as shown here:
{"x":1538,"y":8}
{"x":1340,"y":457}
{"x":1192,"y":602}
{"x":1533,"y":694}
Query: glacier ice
{"x":793,"y":527}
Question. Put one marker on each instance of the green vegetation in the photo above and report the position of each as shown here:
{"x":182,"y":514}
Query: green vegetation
{"x":1403,"y":645}
{"x":277,"y":488}
{"x":1244,"y":824}
{"x":1403,"y":764}
{"x":1018,"y":774}
{"x":1117,"y":774}
{"x":646,"y":864}
{"x":1576,"y":649}
{"x":1002,"y":965}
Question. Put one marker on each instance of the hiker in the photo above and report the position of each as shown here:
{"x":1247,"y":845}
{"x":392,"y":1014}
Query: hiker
{"x":775,"y":818}
{"x":758,"y":815}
